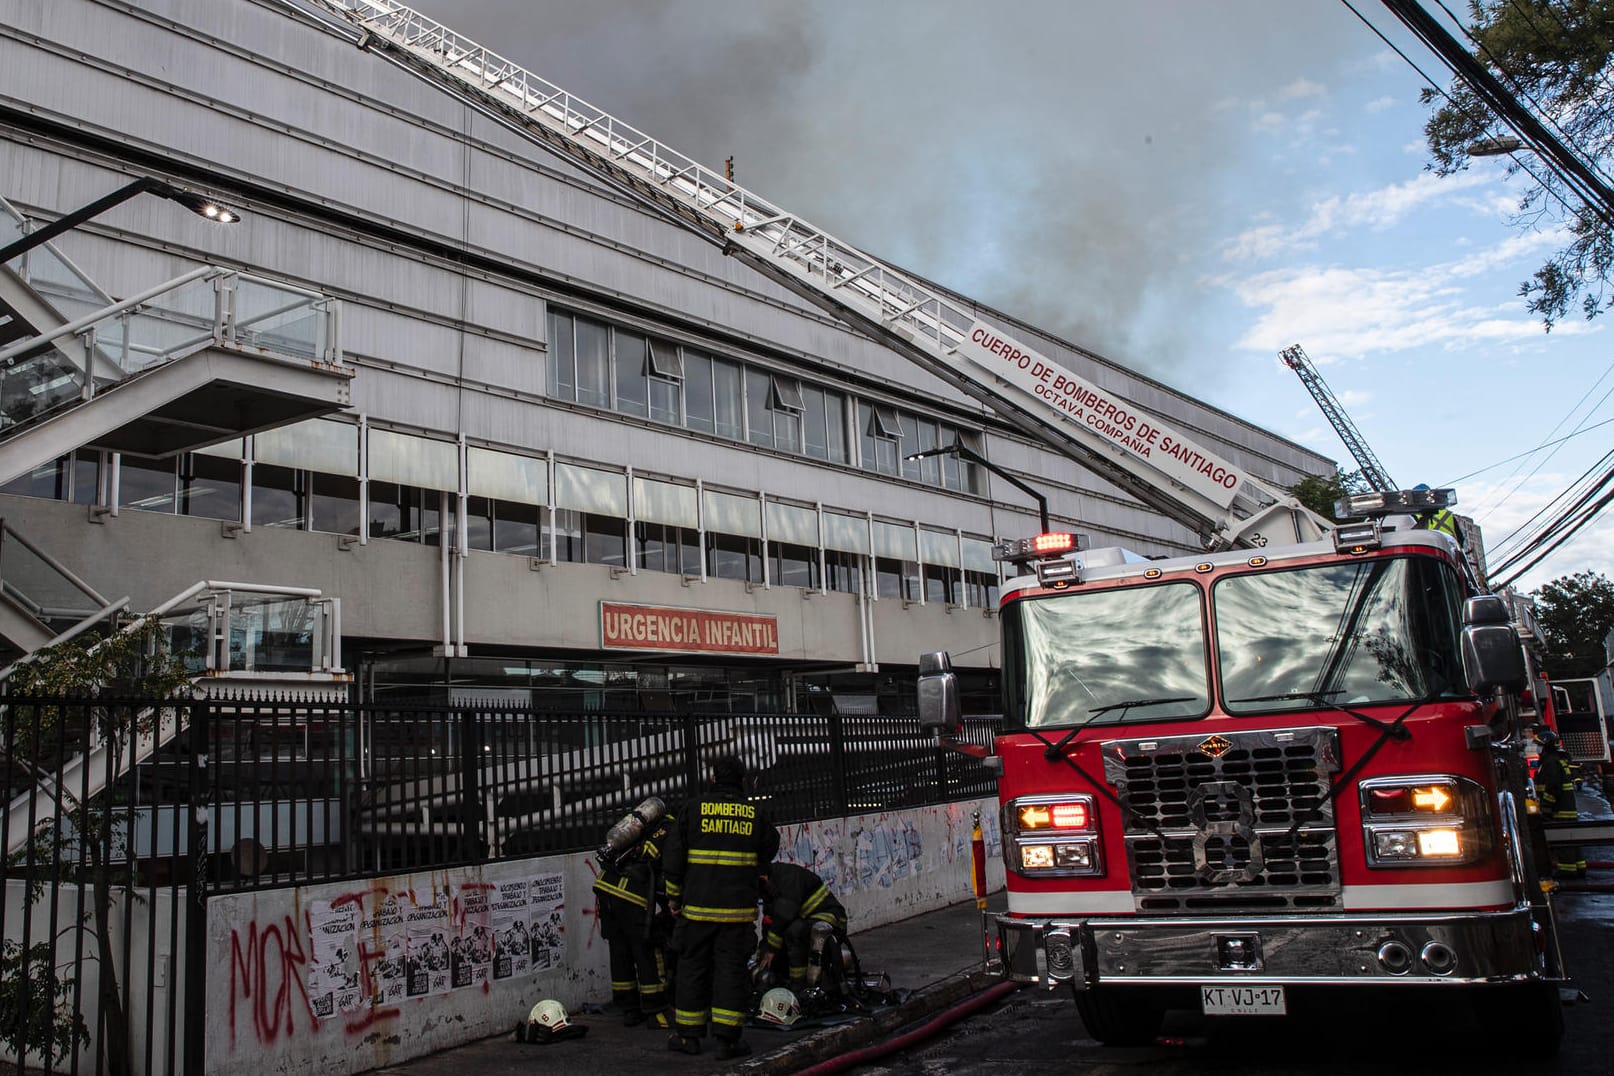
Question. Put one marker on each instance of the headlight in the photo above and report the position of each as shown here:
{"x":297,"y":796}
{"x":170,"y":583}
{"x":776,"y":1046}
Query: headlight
{"x":1051,"y":836}
{"x":1424,"y":821}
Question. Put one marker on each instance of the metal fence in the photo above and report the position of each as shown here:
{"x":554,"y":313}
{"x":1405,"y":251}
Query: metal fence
{"x":107,"y":799}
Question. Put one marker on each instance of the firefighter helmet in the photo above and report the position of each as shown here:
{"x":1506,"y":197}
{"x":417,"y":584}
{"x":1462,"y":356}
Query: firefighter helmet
{"x":779,"y":1006}
{"x":547,"y":1022}
{"x":1547,"y":739}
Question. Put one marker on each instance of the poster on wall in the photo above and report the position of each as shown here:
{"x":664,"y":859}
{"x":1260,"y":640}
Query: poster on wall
{"x":333,"y":965}
{"x":386,"y":936}
{"x":546,"y":905}
{"x":471,"y":948}
{"x":509,"y":918}
{"x":426,"y":959}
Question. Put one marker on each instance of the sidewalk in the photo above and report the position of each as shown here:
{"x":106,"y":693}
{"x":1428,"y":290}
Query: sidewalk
{"x":935,"y":956}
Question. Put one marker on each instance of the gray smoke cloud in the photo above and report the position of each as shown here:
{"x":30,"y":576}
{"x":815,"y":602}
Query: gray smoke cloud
{"x":1075,"y":164}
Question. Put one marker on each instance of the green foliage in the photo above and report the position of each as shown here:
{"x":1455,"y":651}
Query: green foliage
{"x":36,"y":1005}
{"x":135,"y":661}
{"x":1556,"y":54}
{"x":1319,"y":494}
{"x":1575,"y":612}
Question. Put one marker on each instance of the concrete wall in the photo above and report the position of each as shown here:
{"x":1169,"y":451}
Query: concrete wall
{"x":347,"y":977}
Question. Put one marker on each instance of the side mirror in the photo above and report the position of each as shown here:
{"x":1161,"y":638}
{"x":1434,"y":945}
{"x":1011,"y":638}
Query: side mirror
{"x":1485,"y":609}
{"x":1493,"y":659}
{"x":939,"y":707}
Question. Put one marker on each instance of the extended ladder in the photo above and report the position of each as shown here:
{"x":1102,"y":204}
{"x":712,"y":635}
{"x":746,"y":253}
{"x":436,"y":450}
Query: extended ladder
{"x":1158,"y":466}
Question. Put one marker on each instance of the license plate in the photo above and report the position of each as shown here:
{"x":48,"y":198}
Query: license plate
{"x":1242,"y":1000}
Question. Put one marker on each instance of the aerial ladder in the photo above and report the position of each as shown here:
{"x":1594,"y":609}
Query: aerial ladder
{"x":1222,"y":503}
{"x":1373,"y":471}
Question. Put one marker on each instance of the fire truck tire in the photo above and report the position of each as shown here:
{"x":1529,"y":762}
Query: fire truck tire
{"x":1116,"y":1020}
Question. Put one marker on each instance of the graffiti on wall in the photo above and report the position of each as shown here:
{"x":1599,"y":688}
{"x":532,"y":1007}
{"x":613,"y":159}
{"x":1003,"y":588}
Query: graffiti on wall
{"x":874,"y":852}
{"x":352,"y":961}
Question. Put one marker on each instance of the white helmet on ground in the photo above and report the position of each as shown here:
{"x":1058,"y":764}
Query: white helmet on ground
{"x":779,"y":1006}
{"x":547,"y":1022}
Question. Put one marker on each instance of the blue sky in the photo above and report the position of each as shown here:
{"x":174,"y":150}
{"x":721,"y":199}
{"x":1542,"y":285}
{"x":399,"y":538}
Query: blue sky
{"x":1184,"y":187}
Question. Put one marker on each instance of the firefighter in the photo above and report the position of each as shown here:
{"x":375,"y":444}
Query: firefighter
{"x":627,"y":894}
{"x":713,"y":855}
{"x":798,"y":909}
{"x":1555,"y":789}
{"x":1439,"y":519}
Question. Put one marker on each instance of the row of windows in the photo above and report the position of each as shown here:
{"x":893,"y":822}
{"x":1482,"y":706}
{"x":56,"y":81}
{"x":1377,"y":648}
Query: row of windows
{"x":607,"y":366}
{"x":915,"y":563}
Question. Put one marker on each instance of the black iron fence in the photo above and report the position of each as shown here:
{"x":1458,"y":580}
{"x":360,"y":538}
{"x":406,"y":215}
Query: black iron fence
{"x":106,"y":801}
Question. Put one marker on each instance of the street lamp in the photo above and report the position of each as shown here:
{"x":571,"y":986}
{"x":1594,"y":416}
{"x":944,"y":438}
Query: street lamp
{"x":201,"y":205}
{"x":1497,"y":146}
{"x":964,"y":452}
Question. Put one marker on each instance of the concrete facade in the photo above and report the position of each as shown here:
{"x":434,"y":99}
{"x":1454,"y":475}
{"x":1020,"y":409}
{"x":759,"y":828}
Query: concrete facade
{"x":454,"y":247}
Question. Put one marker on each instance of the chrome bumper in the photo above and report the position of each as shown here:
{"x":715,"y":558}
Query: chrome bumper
{"x":1471,"y":948}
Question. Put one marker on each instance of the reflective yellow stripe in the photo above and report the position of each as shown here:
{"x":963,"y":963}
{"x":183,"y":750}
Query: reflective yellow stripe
{"x":673,"y":888}
{"x":727,"y":1017}
{"x":775,"y":941}
{"x":622,"y":986}
{"x":719,"y":858}
{"x":719,"y":915}
{"x":818,"y":897}
{"x":602,"y":886}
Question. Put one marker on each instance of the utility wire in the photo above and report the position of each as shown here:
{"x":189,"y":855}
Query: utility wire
{"x":1526,"y":453}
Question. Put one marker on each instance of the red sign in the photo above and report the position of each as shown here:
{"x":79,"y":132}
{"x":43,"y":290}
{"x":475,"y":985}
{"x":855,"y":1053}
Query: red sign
{"x":657,"y":627}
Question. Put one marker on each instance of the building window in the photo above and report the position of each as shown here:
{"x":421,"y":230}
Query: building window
{"x":589,"y":538}
{"x":210,"y":487}
{"x":48,"y":481}
{"x":665,"y":548}
{"x":843,"y":572}
{"x":404,"y":513}
{"x":793,"y":565}
{"x":980,"y":590}
{"x":146,"y":483}
{"x":496,"y":526}
{"x":279,"y":496}
{"x":942,"y":585}
{"x":823,"y":424}
{"x":881,"y":435}
{"x":896,"y":578}
{"x":632,"y":382}
{"x":730,"y":556}
{"x":579,"y":353}
{"x":665,"y":367}
{"x":773,"y":410}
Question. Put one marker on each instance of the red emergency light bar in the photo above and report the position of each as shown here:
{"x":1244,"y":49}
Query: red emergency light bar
{"x":1043,"y":546}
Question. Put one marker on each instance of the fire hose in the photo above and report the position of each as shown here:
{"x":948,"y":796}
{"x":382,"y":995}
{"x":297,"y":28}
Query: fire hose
{"x":862,"y":1055}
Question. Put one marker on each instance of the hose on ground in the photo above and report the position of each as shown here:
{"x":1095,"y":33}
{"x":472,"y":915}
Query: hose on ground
{"x":930,"y":1027}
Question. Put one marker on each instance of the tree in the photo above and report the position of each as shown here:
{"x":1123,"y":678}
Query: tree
{"x":107,"y":690}
{"x":1575,"y":612}
{"x":1554,"y":56}
{"x":1319,"y":494}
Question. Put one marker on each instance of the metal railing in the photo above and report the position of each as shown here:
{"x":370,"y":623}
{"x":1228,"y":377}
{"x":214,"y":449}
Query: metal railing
{"x":207,"y":307}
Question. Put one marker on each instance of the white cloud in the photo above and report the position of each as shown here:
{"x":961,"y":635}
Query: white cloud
{"x":1302,"y":87}
{"x":1374,"y":210}
{"x":1382,"y":104}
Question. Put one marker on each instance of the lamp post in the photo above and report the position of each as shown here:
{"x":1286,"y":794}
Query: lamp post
{"x":963,"y":452}
{"x":1495,"y":147}
{"x":199,"y":204}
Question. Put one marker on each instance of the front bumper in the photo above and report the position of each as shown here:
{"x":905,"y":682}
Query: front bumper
{"x":1487,"y":947}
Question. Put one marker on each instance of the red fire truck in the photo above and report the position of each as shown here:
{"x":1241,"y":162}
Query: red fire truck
{"x":1238,"y":781}
{"x":1228,"y":780}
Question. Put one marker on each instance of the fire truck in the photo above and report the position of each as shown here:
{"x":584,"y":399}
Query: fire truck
{"x":1231,"y":781}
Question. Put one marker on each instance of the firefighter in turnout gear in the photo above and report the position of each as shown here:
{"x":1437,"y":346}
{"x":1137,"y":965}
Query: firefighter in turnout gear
{"x":713,"y":856}
{"x":1439,"y":519}
{"x":794,"y":899}
{"x":627,"y":894}
{"x":1555,"y":790}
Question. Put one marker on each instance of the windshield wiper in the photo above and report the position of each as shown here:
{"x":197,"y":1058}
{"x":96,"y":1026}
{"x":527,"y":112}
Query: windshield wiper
{"x":1394,"y":729}
{"x":1054,"y":749}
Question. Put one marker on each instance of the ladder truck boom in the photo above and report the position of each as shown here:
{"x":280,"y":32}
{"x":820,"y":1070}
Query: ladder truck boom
{"x":1372,"y":470}
{"x":1221,"y":502}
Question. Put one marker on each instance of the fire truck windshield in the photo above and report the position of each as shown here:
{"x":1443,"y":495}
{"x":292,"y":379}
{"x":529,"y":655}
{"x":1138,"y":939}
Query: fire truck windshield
{"x":1357,"y":633}
{"x":1106,"y":657}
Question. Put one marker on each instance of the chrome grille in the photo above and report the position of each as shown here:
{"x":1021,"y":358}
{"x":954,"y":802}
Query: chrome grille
{"x":1211,"y":821}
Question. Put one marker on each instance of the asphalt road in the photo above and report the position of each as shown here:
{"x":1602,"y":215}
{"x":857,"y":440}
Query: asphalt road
{"x":1039,"y":1031}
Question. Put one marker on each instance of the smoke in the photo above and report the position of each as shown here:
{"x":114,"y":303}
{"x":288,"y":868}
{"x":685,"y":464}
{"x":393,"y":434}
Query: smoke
{"x":1076,"y":164}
